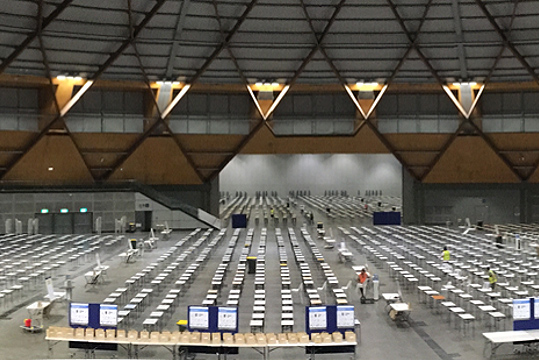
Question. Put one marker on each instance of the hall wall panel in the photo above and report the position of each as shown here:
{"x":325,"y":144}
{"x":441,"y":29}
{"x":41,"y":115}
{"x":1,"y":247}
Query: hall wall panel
{"x":264,"y":142}
{"x":317,"y":173}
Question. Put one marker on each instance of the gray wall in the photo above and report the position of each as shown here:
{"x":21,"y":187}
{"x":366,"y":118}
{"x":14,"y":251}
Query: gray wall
{"x":489,"y":205}
{"x":492,"y":203}
{"x":108,"y":205}
{"x":317,"y":173}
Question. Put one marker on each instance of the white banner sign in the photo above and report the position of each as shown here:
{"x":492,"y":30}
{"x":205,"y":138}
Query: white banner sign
{"x":345,"y":316}
{"x":108,"y":315}
{"x":199,"y":317}
{"x":79,"y":314}
{"x":521,"y":309}
{"x":227,"y":318}
{"x":317,"y":317}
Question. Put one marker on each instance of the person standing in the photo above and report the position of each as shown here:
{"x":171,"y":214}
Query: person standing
{"x":362,"y":279}
{"x":446,"y":255}
{"x":492,"y":278}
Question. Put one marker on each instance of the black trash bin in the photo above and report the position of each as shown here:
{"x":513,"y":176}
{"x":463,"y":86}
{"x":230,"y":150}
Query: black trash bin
{"x":251,"y":264}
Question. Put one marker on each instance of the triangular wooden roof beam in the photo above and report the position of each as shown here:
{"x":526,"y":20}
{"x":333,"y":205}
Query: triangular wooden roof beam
{"x":160,"y":121}
{"x":90,"y":82}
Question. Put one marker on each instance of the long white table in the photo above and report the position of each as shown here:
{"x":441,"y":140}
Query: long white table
{"x":497,"y":339}
{"x":132,"y":346}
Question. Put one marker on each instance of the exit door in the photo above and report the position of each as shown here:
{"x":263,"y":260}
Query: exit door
{"x":144,"y":218}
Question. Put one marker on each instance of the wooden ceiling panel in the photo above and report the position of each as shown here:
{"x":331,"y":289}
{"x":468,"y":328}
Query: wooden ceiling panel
{"x":100,"y":160}
{"x":6,"y":158}
{"x":207,"y":173}
{"x":417,"y":142}
{"x":417,"y":158}
{"x":208,"y":160}
{"x":418,"y":171}
{"x":470,"y":160}
{"x":52,"y":151}
{"x":522,"y":158}
{"x":104,"y":141}
{"x":207,"y":143}
{"x":265,"y":142}
{"x":534,"y":177}
{"x":515,"y":141}
{"x":15,"y":140}
{"x":158,"y":160}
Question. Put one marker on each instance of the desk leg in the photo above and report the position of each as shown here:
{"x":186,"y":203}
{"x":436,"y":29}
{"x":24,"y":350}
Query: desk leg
{"x":486,"y":353}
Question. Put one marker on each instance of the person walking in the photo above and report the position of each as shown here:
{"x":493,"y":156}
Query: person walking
{"x":362,"y":279}
{"x":446,"y":255}
{"x":492,"y":278}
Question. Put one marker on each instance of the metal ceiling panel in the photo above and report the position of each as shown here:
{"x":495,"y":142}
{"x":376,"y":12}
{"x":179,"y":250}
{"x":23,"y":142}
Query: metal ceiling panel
{"x":95,"y":16}
{"x":367,"y":39}
{"x":278,"y":53}
{"x":80,"y":29}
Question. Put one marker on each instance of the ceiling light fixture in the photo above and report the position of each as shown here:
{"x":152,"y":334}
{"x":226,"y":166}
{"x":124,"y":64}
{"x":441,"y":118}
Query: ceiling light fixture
{"x":67,"y":76}
{"x":76,"y":97}
{"x":465,"y":83}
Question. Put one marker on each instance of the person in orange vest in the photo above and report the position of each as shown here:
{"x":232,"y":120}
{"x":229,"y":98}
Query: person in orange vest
{"x":362,"y":279}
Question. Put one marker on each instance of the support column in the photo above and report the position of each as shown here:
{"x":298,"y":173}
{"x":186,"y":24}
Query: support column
{"x":213,"y":197}
{"x":410,"y":203}
{"x":525,"y":216}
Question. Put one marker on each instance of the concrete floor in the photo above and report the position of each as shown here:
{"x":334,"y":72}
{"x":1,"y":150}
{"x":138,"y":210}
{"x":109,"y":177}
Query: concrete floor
{"x":428,"y":337}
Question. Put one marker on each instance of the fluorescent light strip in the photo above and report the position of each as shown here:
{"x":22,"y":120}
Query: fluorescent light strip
{"x":277,"y":101}
{"x":465,"y":113}
{"x":351,"y":94}
{"x":256,"y":102}
{"x":376,"y":101}
{"x":175,"y":101}
{"x":455,"y":101}
{"x":474,"y":104}
{"x":76,"y":98}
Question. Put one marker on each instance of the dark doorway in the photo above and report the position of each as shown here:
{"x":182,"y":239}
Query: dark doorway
{"x":144,"y":218}
{"x":63,"y":223}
